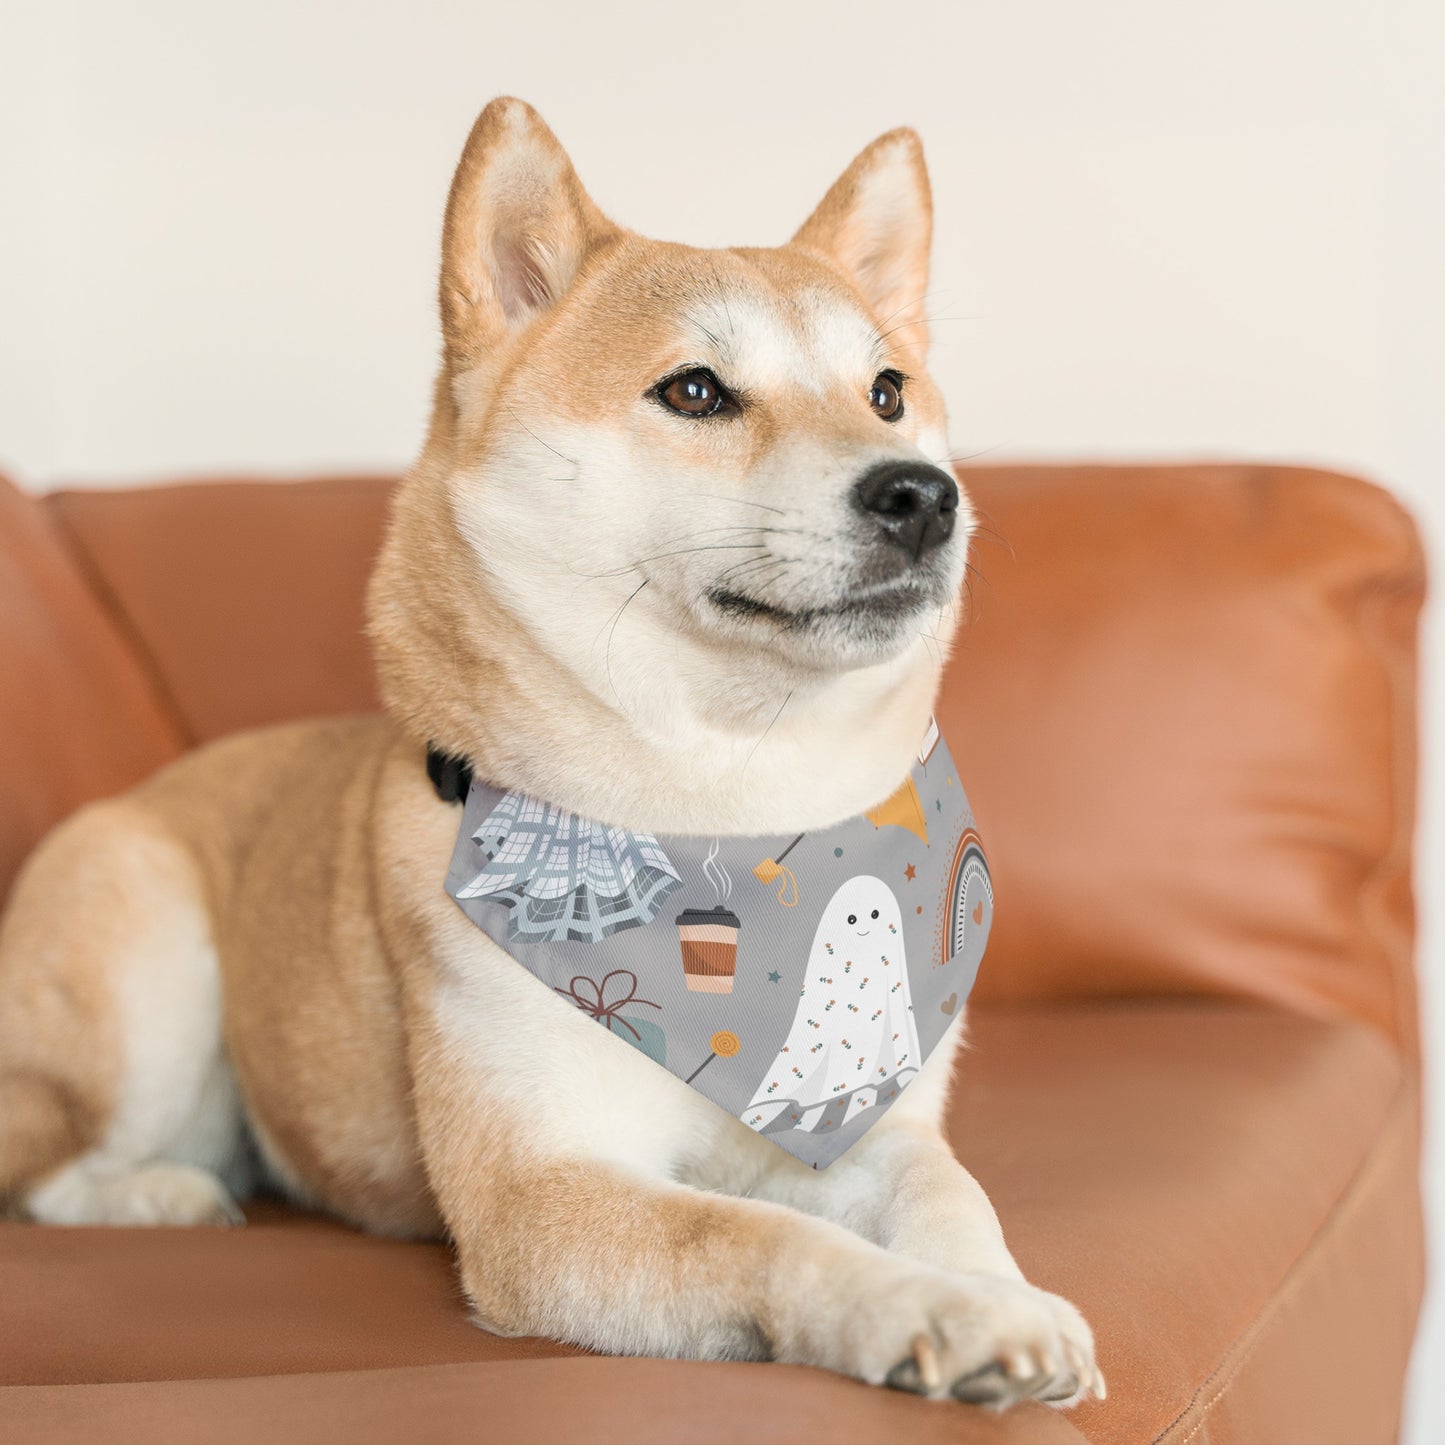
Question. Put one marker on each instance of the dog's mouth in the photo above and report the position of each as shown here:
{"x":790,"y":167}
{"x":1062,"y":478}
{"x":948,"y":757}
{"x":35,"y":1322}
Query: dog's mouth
{"x":891,"y":603}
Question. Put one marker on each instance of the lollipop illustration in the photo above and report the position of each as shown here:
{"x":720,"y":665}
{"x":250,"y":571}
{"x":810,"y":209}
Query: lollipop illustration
{"x":724,"y":1045}
{"x":567,"y":878}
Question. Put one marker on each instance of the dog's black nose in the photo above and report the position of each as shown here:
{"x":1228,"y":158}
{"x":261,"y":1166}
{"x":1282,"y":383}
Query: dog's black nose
{"x":915,"y":504}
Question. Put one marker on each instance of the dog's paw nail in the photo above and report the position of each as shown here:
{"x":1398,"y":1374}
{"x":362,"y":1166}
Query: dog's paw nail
{"x":987,"y":1386}
{"x":927,"y":1357}
{"x":1020,"y":1364}
{"x":905,"y":1376}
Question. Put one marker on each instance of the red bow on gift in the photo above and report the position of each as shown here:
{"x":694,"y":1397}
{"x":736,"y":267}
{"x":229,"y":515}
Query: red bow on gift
{"x":597,"y":1004}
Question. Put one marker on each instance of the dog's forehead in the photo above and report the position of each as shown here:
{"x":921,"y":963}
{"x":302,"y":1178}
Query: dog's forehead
{"x":769,"y":337}
{"x":768,"y":320}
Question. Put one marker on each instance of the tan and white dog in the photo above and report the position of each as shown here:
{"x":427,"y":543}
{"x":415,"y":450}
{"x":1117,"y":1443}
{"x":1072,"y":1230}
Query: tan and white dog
{"x":675,"y":555}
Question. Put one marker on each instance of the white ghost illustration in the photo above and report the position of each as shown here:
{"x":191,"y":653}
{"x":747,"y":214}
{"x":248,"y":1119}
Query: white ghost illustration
{"x":853,"y":1035}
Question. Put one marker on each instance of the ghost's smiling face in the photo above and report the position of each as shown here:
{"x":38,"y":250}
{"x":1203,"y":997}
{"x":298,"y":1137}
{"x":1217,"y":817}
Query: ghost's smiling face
{"x":863,"y":907}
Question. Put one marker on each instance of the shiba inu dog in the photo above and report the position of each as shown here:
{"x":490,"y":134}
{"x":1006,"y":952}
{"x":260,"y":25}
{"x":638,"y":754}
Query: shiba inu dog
{"x":676,"y":554}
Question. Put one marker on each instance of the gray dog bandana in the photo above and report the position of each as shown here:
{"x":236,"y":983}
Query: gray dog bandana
{"x":798,"y":983}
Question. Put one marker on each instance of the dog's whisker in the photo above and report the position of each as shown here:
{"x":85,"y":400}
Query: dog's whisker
{"x":571,"y":461}
{"x":991,"y":531}
{"x":956,"y":458}
{"x":746,"y":529}
{"x":766,"y":731}
{"x":745,"y":502}
{"x":658,"y":556}
{"x":761,"y":578}
{"x":930,"y":320}
{"x":737,"y":568}
{"x":804,"y":581}
{"x":612,"y":633}
{"x":899,"y":310}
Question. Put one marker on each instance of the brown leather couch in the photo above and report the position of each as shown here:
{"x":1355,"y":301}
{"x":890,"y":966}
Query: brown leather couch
{"x":1185,"y":707}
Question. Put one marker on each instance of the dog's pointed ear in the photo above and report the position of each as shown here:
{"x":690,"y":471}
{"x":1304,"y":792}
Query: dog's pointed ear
{"x":877,"y":224}
{"x":518,"y":228}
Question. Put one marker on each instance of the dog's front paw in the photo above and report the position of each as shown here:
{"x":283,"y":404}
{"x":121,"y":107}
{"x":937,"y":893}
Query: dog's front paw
{"x":980,"y":1338}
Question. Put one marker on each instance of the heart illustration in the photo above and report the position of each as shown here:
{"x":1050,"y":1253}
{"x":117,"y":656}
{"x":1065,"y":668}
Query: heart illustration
{"x":950,"y":1003}
{"x":978,"y":911}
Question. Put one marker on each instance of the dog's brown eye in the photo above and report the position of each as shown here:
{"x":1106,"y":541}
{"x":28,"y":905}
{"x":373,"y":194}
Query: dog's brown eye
{"x":886,"y":398}
{"x":694,"y":393}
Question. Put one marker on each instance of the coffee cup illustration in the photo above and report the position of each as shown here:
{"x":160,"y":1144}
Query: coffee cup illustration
{"x":709,"y":939}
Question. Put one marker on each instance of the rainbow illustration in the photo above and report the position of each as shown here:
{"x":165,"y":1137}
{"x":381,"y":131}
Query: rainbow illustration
{"x":968,"y":877}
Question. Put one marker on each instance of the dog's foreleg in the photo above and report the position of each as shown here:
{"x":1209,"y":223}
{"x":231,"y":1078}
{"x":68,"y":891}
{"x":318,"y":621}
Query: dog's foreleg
{"x":590,"y":1253}
{"x":901,"y":1187}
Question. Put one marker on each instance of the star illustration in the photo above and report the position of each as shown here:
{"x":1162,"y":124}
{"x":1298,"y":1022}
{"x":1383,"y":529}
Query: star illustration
{"x":910,"y":873}
{"x":775,"y":977}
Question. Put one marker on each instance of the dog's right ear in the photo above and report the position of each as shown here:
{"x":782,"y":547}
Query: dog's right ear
{"x":518,"y":227}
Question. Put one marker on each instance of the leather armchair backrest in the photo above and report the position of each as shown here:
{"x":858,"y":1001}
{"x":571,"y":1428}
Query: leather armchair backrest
{"x":79,"y":716}
{"x":1185,"y":709}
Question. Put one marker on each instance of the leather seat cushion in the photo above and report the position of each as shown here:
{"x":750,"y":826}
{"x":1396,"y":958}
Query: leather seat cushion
{"x":1225,"y":1190}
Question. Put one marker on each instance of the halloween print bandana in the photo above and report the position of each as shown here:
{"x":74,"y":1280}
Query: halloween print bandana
{"x":798,"y":983}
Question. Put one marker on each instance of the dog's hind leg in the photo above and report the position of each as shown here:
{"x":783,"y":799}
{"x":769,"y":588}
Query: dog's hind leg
{"x":117,"y":1105}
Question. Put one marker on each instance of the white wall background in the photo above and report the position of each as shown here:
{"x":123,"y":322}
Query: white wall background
{"x":1163,"y":229}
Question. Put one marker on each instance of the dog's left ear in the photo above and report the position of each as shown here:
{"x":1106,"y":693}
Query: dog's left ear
{"x":877,"y":224}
